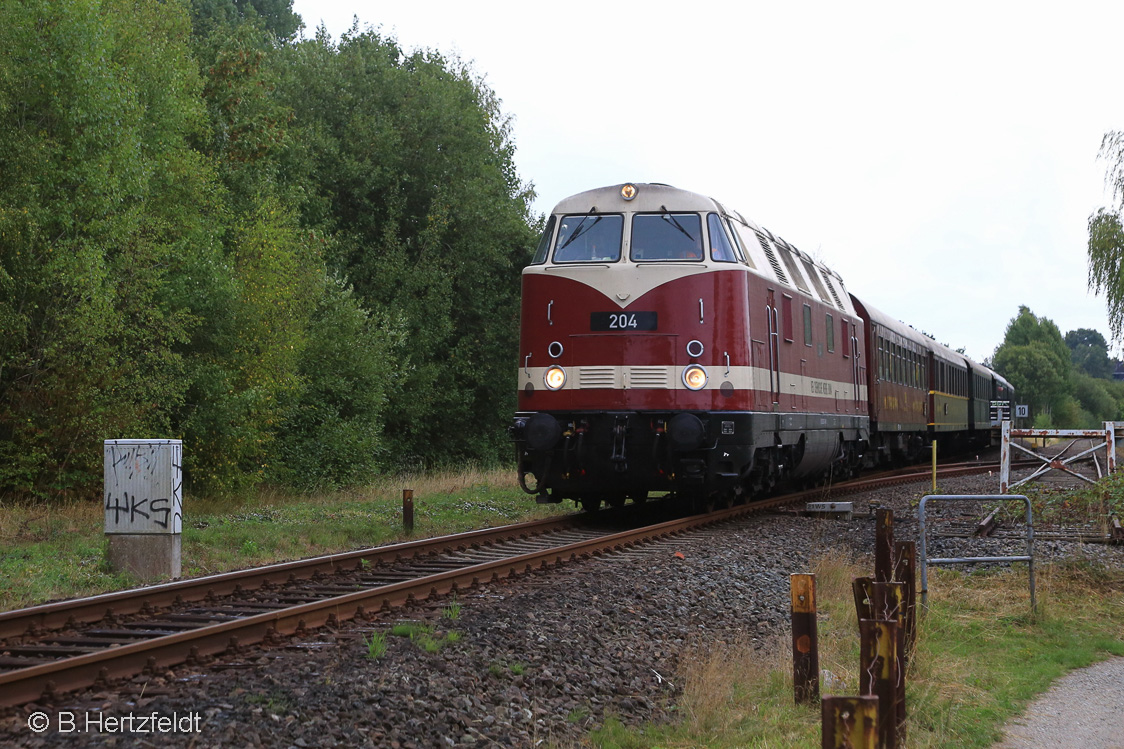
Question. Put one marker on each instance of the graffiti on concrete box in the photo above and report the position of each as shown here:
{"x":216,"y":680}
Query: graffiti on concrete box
{"x":143,"y":486}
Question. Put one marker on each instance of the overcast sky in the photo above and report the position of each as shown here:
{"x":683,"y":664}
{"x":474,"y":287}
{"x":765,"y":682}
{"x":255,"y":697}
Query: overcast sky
{"x":942,"y":159}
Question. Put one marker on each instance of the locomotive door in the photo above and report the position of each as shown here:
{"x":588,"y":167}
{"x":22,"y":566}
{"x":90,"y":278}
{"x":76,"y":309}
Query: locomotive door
{"x":856,"y":370}
{"x":773,"y":317}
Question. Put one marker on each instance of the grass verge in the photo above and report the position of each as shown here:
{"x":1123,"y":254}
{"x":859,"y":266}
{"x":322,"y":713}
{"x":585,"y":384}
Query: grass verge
{"x":980,"y":659}
{"x":49,"y":552}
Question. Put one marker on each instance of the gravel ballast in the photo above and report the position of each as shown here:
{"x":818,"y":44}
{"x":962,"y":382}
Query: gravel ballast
{"x":535,"y":661}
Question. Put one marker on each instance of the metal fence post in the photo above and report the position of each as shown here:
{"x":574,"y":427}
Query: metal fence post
{"x":926,"y":561}
{"x":883,"y":544}
{"x":850,"y":722}
{"x":1110,"y":439}
{"x":805,"y":648}
{"x":905,"y":571}
{"x":1004,"y":458}
{"x":878,"y":674}
{"x":408,"y":510}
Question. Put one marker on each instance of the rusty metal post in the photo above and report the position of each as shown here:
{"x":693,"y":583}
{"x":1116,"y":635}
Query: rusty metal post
{"x":408,"y":510}
{"x":878,"y":674}
{"x":905,"y":572}
{"x":889,"y":605}
{"x":805,"y":648}
{"x":884,"y":545}
{"x":850,"y":722}
{"x":1004,"y":459}
{"x":864,"y":598}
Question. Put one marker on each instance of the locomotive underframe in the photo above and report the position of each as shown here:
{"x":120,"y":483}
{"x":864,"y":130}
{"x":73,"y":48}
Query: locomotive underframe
{"x":608,"y":456}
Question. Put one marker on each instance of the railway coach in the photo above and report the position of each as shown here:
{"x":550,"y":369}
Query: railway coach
{"x":667,"y":343}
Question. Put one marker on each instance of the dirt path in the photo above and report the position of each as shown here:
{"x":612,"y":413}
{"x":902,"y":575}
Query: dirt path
{"x":1084,"y":710}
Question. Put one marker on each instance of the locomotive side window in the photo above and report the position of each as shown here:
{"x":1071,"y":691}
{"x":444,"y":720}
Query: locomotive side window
{"x":830,"y":328}
{"x":721,"y":250}
{"x":786,"y":308}
{"x":589,"y":238}
{"x":743,"y":253}
{"x":544,"y":242}
{"x":667,"y":236}
{"x":807,"y":325}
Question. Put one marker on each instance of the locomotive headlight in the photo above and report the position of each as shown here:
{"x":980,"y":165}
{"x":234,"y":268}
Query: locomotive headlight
{"x":694,"y":377}
{"x":554,"y":378}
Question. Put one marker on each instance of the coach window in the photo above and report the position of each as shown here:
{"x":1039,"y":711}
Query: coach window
{"x":589,"y":238}
{"x":721,"y":250}
{"x":807,"y":325}
{"x":830,"y":328}
{"x":544,"y":242}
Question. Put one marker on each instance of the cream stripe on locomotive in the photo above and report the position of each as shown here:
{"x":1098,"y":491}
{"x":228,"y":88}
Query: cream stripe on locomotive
{"x":609,"y":377}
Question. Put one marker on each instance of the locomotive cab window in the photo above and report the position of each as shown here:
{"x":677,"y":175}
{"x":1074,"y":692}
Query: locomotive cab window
{"x":589,"y":238}
{"x":743,"y":254}
{"x":674,"y":237}
{"x":544,"y":242}
{"x":721,"y":249}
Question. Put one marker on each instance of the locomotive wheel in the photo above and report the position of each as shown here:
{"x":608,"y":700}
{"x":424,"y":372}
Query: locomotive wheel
{"x":590,"y":504}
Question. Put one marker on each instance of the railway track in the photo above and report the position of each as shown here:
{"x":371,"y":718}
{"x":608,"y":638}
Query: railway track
{"x":48,"y":650}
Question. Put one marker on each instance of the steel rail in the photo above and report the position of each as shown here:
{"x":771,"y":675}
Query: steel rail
{"x":50,"y":679}
{"x":58,"y":615}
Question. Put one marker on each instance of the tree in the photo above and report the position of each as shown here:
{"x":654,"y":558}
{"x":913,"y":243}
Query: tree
{"x":1035,"y":359}
{"x":1106,"y":238}
{"x":1089,"y":352}
{"x":100,"y":199}
{"x":411,"y":172}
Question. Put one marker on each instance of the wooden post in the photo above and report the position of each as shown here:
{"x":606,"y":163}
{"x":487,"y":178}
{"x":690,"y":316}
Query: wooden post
{"x":884,"y":545}
{"x":805,"y":648}
{"x":850,"y":722}
{"x":408,"y":510}
{"x":878,"y":675}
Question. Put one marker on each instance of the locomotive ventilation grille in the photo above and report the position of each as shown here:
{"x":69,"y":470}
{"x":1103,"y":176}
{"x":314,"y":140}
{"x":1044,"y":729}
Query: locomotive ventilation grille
{"x":597,"y":377}
{"x":648,"y":377}
{"x":629,"y":377}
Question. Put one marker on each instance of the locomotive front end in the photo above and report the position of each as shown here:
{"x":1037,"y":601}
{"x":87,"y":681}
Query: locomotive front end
{"x":631,"y":376}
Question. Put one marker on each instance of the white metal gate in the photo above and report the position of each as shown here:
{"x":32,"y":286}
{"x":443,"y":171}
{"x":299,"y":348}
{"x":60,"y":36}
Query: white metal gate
{"x":1107,"y":441}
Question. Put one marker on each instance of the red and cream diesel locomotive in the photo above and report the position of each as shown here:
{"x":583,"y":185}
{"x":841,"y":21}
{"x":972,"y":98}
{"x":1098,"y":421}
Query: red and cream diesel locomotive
{"x":668,"y":344}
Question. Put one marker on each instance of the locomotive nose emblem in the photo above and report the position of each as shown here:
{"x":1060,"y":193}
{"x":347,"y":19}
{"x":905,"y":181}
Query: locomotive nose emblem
{"x":622,"y":295}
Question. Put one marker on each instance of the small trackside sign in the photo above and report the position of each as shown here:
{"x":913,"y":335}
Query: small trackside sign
{"x":842,"y":510}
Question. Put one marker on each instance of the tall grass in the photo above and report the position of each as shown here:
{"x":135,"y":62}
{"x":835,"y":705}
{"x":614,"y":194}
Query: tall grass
{"x":980,"y":658}
{"x":58,"y":551}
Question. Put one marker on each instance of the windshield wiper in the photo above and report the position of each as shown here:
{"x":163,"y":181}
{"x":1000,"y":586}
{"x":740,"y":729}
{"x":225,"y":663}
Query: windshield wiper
{"x":578,"y":231}
{"x":668,"y":217}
